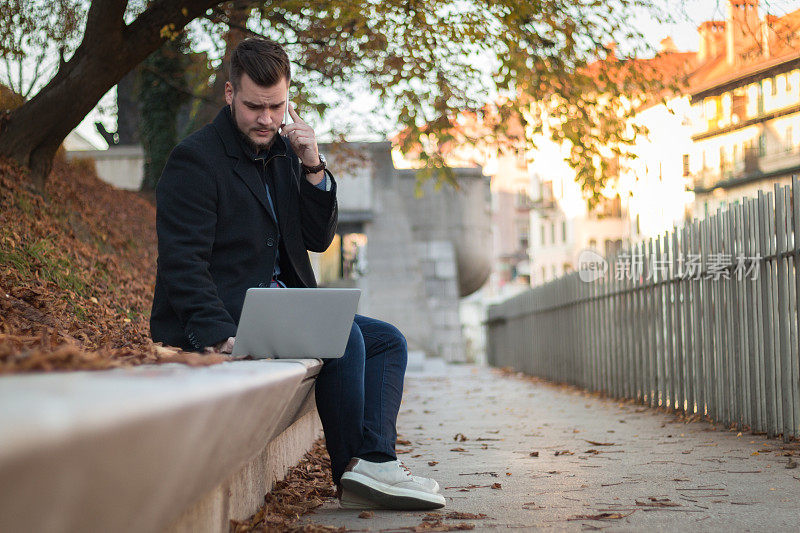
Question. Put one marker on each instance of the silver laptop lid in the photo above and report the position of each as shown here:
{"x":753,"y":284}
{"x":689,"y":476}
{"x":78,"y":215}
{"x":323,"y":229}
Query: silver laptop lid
{"x":295,"y":323}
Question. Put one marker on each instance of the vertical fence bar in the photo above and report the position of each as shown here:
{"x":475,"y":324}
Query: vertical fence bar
{"x":660,"y":355}
{"x":767,"y":329}
{"x":732,"y":350}
{"x":782,"y":273}
{"x":753,"y":343}
{"x":666,"y":351}
{"x":676,"y":333}
{"x":758,"y":294}
{"x":697,"y":318}
{"x":708,"y":332}
{"x":648,"y":352}
{"x":792,"y":310}
{"x":718,"y":297}
{"x":687,"y":341}
{"x":742,"y":318}
{"x":625,"y":390}
{"x":796,"y":340}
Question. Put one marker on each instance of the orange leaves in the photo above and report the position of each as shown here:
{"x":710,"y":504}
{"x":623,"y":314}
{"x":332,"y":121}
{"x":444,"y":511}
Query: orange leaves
{"x":76,"y":273}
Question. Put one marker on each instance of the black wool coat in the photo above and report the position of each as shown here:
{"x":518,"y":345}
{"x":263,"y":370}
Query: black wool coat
{"x":217,"y":236}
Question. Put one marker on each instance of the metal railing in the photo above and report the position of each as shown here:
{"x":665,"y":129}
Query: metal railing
{"x":703,"y":319}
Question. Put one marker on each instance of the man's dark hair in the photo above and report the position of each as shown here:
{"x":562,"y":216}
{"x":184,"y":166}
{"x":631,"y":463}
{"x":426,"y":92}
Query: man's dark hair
{"x":263,"y":60}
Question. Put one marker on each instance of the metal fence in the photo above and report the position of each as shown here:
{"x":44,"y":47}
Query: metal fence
{"x":703,"y":319}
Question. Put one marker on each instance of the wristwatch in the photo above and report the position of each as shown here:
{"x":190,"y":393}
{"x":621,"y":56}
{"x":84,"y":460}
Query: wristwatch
{"x":316,"y":168}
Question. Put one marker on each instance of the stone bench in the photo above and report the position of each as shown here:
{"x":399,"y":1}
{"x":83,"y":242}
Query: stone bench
{"x":150,"y":448}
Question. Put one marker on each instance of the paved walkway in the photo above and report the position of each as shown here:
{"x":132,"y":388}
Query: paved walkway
{"x":600,"y":465}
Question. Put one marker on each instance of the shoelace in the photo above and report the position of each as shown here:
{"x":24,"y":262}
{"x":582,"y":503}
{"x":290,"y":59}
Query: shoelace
{"x":404,"y":467}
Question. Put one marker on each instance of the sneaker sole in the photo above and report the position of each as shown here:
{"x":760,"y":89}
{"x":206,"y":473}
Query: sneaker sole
{"x":389,"y":497}
{"x":351,"y":501}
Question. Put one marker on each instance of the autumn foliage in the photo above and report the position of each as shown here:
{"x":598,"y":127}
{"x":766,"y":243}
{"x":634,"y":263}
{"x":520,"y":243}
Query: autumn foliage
{"x":77,"y":268}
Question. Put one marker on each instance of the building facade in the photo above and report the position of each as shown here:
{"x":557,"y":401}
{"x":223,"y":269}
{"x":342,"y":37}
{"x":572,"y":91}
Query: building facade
{"x":745,"y":103}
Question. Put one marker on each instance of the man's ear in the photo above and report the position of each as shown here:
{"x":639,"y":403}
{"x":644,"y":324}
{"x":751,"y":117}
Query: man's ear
{"x":228,"y":92}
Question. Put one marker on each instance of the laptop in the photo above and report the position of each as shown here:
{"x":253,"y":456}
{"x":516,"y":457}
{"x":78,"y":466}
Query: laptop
{"x":295,"y":323}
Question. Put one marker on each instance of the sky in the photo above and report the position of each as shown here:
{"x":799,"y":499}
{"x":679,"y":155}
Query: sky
{"x":688,"y":14}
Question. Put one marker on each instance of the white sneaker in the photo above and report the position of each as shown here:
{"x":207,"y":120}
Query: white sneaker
{"x":386,"y":486}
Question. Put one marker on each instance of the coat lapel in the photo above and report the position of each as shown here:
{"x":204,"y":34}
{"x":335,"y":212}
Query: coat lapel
{"x":249,"y":175}
{"x":281,"y":169}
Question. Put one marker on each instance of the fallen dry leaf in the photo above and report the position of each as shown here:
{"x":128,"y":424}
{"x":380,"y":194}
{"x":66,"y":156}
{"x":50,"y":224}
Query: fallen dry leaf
{"x":657,"y":502}
{"x":455,"y":515}
{"x":433,"y":463}
{"x":534,"y":454}
{"x":596,"y":443}
{"x":366,"y":514}
{"x":601,"y":516}
{"x":460,"y":437}
{"x":563,"y":452}
{"x":497,"y":486}
{"x":458,"y":449}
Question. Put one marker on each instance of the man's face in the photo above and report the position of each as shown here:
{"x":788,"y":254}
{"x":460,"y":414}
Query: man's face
{"x":256,"y":110}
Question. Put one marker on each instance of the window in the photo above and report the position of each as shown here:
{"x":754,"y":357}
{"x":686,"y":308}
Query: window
{"x":612,"y":247}
{"x":553,"y":233}
{"x":593,"y":244}
{"x":522,"y":235}
{"x":762,"y":145}
{"x":547,"y":190}
{"x":542,"y":235}
{"x":521,"y":199}
{"x":567,"y":268}
{"x":788,"y":83}
{"x":789,"y":141}
{"x":774,"y":89}
{"x":735,"y":155}
{"x":685,"y":165}
{"x":563,"y":231}
{"x":721,"y":158}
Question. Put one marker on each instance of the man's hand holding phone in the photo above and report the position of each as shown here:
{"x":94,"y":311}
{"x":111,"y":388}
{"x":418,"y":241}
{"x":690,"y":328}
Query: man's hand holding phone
{"x":304,"y":143}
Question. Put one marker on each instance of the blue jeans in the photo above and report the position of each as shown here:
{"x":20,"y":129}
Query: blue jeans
{"x":358,"y":395}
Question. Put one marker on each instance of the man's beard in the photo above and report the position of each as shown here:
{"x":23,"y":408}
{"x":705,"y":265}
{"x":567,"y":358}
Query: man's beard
{"x":253,"y":145}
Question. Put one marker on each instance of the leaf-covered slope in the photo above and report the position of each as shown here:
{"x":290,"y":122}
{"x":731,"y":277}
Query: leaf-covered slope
{"x":77,"y":268}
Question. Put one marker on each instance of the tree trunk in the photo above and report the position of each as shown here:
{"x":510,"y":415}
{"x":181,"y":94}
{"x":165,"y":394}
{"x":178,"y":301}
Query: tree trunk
{"x":33,"y":132}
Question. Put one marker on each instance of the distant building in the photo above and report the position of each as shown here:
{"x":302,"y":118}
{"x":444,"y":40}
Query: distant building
{"x":561,"y":223}
{"x":745,"y":100}
{"x":644,"y":196}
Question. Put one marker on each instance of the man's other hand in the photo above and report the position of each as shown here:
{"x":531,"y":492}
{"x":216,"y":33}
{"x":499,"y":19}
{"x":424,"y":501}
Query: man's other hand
{"x":224,"y":347}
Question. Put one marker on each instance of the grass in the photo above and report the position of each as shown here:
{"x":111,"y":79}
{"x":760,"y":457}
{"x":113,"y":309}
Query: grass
{"x":51,"y":264}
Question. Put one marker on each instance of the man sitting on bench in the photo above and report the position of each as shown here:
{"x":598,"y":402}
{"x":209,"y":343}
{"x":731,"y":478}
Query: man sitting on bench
{"x":238,"y":206}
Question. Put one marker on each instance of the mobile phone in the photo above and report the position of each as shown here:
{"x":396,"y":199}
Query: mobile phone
{"x":286,"y":116}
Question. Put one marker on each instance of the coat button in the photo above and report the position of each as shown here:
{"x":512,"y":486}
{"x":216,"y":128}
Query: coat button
{"x":270,"y":242}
